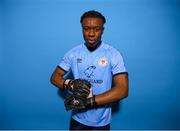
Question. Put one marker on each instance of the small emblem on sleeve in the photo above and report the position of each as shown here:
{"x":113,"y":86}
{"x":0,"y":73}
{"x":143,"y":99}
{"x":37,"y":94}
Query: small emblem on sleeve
{"x":103,"y":62}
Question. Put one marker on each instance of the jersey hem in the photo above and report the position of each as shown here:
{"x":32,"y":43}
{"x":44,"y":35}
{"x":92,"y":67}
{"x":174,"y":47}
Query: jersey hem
{"x":91,"y":124}
{"x":120,"y":73}
{"x":62,"y":68}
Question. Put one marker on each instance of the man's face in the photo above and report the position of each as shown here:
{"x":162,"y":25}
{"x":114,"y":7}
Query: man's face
{"x":92,"y":30}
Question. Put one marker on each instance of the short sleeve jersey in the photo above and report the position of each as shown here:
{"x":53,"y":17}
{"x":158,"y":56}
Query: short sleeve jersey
{"x":98,"y":67}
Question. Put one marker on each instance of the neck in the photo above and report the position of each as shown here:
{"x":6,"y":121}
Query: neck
{"x":94,"y":47}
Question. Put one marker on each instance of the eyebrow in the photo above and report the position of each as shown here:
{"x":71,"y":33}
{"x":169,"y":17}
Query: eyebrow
{"x":92,"y":26}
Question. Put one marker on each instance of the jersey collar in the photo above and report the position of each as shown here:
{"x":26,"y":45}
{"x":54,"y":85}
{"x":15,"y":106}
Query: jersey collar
{"x":91,"y":49}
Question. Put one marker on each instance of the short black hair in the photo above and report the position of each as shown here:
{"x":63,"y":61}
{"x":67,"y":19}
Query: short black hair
{"x":93,"y":14}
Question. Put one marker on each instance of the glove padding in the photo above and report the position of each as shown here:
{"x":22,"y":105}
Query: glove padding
{"x":79,"y":87}
{"x":78,"y":102}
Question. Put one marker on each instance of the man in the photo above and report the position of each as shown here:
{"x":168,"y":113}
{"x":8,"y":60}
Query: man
{"x":99,"y":64}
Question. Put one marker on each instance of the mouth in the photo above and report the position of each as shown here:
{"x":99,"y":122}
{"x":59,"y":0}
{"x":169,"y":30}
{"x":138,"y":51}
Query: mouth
{"x":91,"y":41}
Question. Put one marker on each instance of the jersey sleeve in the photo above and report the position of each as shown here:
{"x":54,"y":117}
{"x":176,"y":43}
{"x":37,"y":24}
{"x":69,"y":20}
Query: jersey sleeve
{"x":117,"y":63}
{"x":65,"y":63}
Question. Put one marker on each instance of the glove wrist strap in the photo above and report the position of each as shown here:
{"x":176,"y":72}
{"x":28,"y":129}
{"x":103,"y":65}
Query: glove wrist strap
{"x":91,"y":102}
{"x":68,"y":84}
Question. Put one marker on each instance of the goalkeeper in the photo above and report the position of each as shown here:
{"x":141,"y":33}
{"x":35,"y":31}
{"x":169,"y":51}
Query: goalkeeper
{"x":95,"y":66}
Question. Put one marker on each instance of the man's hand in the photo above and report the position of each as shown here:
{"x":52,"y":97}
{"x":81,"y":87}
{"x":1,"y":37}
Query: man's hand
{"x":78,"y":102}
{"x":81,"y":96}
{"x":79,"y":87}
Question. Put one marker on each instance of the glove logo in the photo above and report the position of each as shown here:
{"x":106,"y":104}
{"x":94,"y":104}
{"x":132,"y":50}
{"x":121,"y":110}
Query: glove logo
{"x":75,"y":102}
{"x":103,"y":62}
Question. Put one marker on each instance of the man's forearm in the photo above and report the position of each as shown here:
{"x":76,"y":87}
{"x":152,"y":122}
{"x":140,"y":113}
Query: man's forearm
{"x":111,"y":96}
{"x":57,"y":80}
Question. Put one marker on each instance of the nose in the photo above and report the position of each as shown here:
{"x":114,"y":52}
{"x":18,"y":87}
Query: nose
{"x":91,"y":33}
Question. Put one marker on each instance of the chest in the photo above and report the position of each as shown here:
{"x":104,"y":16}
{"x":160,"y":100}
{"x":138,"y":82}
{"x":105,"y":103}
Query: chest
{"x":90,"y":64}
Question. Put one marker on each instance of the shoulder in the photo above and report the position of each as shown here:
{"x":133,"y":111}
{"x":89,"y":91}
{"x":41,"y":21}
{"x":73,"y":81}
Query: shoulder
{"x":74,"y":50}
{"x":111,"y":49}
{"x":113,"y":54}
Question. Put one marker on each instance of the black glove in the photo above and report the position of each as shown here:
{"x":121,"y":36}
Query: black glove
{"x":78,"y":87}
{"x":78,"y":102}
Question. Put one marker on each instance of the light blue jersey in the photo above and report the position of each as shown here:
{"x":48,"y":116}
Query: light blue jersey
{"x":98,"y":67}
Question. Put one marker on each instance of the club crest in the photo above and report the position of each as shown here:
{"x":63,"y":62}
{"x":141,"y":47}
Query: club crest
{"x":103,"y":62}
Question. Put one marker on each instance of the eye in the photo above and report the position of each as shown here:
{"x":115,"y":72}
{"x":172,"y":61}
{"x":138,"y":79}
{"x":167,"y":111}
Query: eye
{"x":98,"y":29}
{"x":95,"y":29}
{"x":86,"y":28}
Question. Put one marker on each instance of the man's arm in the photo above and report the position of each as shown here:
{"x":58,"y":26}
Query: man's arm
{"x":57,"y":77}
{"x":76,"y":86}
{"x":118,"y":92}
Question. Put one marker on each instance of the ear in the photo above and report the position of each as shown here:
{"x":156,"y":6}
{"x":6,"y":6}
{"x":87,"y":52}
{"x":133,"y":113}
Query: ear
{"x":102,"y":29}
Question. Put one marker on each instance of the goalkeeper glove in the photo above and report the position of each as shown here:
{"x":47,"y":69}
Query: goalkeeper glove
{"x":79,"y":102}
{"x":78,"y":86}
